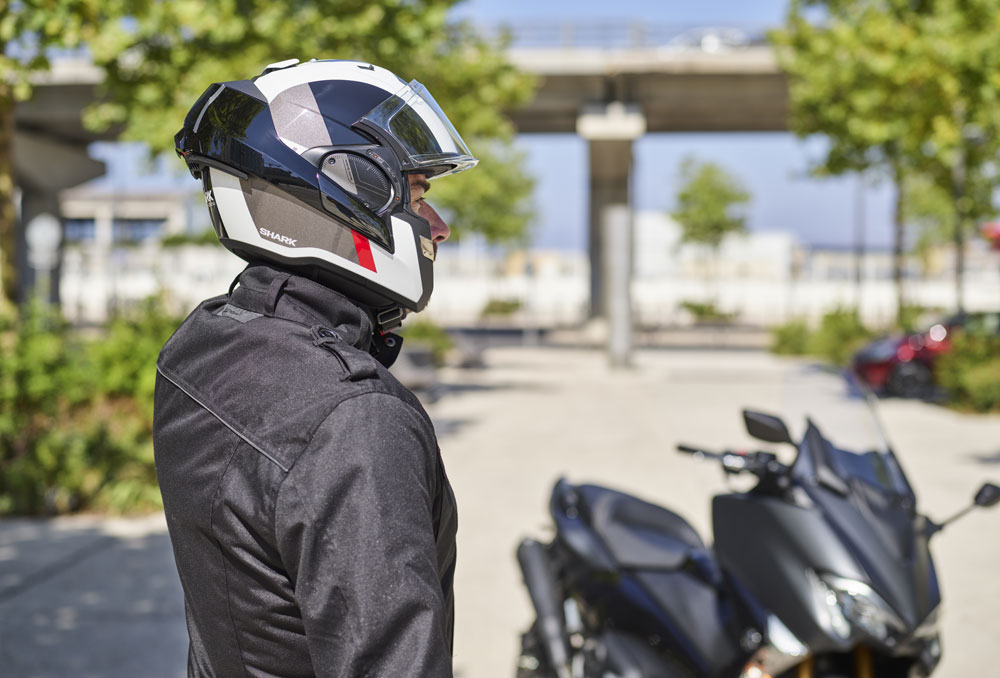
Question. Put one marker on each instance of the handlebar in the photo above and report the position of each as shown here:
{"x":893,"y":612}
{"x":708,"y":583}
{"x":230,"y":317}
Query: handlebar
{"x":735,"y":462}
{"x":695,"y":450}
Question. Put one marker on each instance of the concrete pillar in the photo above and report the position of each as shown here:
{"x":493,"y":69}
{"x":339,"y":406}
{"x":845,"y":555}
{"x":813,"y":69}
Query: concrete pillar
{"x":617,"y":226}
{"x":610,"y":171}
{"x":610,"y":130}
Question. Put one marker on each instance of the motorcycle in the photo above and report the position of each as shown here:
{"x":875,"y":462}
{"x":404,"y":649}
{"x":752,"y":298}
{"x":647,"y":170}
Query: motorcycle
{"x":821,"y":569}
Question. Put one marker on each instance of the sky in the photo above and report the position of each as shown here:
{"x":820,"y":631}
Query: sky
{"x":772,"y":166}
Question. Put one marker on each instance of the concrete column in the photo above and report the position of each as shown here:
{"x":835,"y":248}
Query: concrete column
{"x":617,"y":226}
{"x":610,"y":130}
{"x":610,"y":171}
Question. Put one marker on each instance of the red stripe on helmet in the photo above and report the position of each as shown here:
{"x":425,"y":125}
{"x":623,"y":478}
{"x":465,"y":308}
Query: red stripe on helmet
{"x":364,"y":250}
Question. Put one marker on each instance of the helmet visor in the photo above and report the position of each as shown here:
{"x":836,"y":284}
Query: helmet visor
{"x":423,"y":132}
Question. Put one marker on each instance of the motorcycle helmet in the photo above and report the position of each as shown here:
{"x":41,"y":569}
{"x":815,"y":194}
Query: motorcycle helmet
{"x":305,"y":165}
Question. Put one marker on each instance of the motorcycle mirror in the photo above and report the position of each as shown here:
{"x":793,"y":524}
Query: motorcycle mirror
{"x":988,"y":495}
{"x":766,"y":427}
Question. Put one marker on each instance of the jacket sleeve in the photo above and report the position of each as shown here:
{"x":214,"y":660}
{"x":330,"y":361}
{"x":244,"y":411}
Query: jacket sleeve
{"x":354,"y":524}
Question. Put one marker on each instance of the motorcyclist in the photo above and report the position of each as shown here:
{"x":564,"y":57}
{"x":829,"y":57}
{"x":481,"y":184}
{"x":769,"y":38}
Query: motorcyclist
{"x":311,"y":519}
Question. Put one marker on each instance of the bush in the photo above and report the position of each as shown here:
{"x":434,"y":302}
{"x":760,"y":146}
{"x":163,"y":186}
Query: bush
{"x":206,"y":237}
{"x":840,"y":334}
{"x":792,"y":338}
{"x":429,"y":334}
{"x":970,"y":372}
{"x":913,"y":317}
{"x":707,"y":312}
{"x":76,"y":416}
{"x":500,"y":307}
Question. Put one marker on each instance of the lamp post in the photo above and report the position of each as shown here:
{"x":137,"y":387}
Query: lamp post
{"x":43,"y":236}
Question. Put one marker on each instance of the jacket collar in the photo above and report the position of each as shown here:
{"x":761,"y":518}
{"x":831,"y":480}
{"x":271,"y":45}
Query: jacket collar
{"x":280,"y":294}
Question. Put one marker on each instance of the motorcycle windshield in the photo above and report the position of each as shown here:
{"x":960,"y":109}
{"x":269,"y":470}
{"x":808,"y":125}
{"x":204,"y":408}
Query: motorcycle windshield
{"x":835,"y":417}
{"x":848,"y":469}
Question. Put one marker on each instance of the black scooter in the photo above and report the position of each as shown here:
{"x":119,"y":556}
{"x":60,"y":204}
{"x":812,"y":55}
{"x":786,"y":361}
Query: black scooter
{"x":821,"y":570}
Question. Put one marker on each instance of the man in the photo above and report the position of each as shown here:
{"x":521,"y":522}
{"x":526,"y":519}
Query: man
{"x":311,"y":519}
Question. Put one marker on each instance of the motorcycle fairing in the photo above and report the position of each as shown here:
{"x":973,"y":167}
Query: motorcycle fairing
{"x":875,"y":518}
{"x":771,"y":544}
{"x":858,"y":522}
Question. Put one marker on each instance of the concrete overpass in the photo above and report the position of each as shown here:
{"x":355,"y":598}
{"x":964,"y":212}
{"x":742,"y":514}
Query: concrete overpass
{"x":50,"y":145}
{"x":609,"y":95}
{"x":613,"y":96}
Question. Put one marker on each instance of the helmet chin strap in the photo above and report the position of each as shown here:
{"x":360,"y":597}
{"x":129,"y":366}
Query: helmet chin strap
{"x":385,"y":346}
{"x":388,"y":319}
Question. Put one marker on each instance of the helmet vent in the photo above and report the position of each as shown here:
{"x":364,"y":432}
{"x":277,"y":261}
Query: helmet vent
{"x":360,"y":177}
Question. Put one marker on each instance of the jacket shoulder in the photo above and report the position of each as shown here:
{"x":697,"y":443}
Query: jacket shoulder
{"x":270,"y":380}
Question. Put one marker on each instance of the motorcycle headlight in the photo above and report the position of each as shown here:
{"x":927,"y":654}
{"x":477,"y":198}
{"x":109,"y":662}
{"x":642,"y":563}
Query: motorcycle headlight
{"x":852,"y":604}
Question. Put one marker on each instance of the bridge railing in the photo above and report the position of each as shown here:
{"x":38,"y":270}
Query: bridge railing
{"x":628,"y":35}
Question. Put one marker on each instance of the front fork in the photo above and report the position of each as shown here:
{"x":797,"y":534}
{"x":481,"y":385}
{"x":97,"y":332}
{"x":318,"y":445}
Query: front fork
{"x":863,"y":666}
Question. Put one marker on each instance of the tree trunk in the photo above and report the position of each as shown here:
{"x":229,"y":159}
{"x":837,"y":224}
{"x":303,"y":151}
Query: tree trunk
{"x":958,"y":181}
{"x":897,"y":245}
{"x":959,"y":237}
{"x":8,"y":227}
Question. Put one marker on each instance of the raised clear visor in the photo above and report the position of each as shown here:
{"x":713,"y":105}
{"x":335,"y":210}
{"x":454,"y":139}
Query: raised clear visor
{"x":415,"y":121}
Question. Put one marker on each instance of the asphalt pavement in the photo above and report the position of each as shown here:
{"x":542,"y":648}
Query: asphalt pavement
{"x":88,"y":596}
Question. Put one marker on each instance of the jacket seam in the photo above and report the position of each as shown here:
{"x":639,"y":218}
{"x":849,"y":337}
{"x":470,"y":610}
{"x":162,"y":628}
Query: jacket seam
{"x":222,"y":555}
{"x":175,"y":381}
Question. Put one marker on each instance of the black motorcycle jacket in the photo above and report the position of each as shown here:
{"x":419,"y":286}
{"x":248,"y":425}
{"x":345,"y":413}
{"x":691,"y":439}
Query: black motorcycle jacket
{"x":308,"y":508}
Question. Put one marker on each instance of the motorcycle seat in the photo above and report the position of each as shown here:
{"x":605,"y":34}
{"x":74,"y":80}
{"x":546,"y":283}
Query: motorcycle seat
{"x":638,"y":534}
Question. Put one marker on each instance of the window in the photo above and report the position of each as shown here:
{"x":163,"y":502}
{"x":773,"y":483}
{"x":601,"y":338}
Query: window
{"x":79,"y":230}
{"x":136,"y":230}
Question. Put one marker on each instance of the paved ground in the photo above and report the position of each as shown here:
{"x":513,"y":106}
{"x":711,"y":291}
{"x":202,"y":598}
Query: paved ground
{"x":86,"y":597}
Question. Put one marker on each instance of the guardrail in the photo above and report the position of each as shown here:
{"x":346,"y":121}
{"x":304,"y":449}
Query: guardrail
{"x":627,"y":34}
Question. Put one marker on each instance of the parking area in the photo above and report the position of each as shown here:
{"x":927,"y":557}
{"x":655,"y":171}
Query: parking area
{"x":83,"y":596}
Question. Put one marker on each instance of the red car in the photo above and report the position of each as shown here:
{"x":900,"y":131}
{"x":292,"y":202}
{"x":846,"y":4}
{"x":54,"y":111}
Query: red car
{"x":904,"y":365}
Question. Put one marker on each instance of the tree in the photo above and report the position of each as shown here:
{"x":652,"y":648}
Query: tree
{"x":707,"y":204}
{"x":902,"y":87}
{"x":929,"y":211}
{"x":491,"y":200}
{"x":162,"y":60}
{"x":28,"y":30}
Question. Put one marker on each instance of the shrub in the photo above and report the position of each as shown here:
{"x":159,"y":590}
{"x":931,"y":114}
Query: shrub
{"x":707,"y":312}
{"x":500,"y":307}
{"x":970,"y":372}
{"x":913,"y":317}
{"x":206,"y":237}
{"x":76,"y":416}
{"x":790,"y":339}
{"x":430,"y":334}
{"x":840,"y":334}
